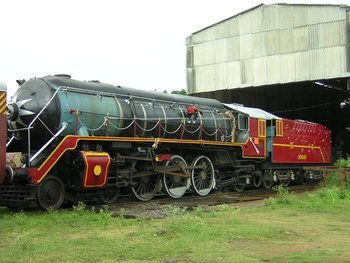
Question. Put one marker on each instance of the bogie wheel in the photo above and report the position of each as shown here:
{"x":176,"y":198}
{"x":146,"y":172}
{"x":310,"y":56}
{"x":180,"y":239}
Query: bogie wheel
{"x":145,"y":188}
{"x":286,"y":182}
{"x":175,"y":186}
{"x":267,"y":180}
{"x":51,"y":193}
{"x":109,"y":195}
{"x":203,"y":177}
{"x":318,"y":176}
{"x":303,"y":178}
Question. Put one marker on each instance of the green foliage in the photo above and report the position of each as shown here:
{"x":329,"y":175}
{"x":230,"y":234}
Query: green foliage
{"x":333,"y":179}
{"x":180,"y":92}
{"x":284,"y":196}
{"x":326,"y":198}
{"x":323,"y":198}
{"x":342,"y":162}
{"x":171,"y":210}
{"x":79,"y":208}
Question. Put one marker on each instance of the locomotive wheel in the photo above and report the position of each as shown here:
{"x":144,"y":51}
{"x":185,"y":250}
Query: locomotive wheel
{"x":239,"y":187}
{"x":318,"y":176}
{"x":256,"y":180}
{"x":267,"y":180}
{"x":175,"y":186}
{"x":50,"y":193}
{"x":109,"y":195}
{"x":303,"y":178}
{"x":202,"y":178}
{"x":146,"y":187}
{"x":286,"y":182}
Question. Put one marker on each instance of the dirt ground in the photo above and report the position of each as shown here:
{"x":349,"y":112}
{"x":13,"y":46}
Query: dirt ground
{"x":162,"y":207}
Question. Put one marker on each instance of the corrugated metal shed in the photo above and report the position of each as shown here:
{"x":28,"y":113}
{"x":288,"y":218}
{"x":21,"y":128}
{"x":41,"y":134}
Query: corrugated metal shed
{"x":270,"y":44}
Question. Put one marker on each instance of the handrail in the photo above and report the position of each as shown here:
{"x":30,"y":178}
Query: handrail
{"x":44,"y":108}
{"x":64,"y":126}
{"x":9,"y":142}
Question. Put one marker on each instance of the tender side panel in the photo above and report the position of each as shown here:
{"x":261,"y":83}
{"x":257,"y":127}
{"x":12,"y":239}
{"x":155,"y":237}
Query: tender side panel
{"x":301,"y":142}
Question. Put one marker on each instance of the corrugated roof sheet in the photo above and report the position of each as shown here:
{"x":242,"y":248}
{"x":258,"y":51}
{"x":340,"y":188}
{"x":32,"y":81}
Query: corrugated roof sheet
{"x":253,"y":112}
{"x":302,"y":15}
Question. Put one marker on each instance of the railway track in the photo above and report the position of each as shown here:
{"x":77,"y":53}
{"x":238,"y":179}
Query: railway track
{"x":161,"y":206}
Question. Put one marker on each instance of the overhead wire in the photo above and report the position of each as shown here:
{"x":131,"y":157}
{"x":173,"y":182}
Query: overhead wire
{"x":309,"y":107}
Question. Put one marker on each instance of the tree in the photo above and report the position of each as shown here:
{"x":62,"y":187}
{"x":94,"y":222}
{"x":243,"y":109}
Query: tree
{"x":181,"y":92}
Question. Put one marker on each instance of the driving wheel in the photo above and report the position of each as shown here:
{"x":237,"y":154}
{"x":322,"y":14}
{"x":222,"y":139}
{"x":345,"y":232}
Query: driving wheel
{"x":175,"y":186}
{"x":203,"y":176}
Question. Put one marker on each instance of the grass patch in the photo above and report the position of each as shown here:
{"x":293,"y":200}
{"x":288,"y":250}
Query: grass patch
{"x":312,"y":228}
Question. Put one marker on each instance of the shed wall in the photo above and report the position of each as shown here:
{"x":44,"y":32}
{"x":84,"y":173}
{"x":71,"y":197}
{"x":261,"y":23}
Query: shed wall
{"x":270,"y":44}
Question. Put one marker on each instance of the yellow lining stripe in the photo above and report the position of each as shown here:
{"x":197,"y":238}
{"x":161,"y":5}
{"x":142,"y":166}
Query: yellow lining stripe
{"x":3,"y":102}
{"x":3,"y":109}
{"x":298,"y":146}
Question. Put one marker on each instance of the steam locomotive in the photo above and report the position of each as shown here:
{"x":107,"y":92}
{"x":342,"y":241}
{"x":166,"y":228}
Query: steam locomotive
{"x":70,"y":140}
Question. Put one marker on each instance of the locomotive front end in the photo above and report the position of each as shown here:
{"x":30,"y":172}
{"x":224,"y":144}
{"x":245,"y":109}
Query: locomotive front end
{"x":32,"y":114}
{"x":46,"y":109}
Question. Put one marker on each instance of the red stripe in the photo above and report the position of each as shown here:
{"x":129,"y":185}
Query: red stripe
{"x":70,"y":142}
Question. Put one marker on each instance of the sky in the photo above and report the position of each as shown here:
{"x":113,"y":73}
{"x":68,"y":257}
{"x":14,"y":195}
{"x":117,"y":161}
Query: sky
{"x":134,"y":43}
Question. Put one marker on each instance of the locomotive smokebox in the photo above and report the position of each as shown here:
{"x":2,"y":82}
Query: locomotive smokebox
{"x":3,"y":92}
{"x":28,"y":101}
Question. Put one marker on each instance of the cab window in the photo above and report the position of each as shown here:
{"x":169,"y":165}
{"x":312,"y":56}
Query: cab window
{"x":242,"y":122}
